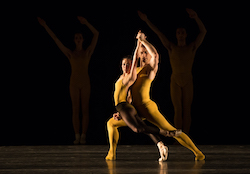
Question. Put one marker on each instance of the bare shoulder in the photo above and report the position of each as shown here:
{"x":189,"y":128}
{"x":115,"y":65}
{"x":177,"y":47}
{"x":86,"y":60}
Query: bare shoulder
{"x":120,"y":78}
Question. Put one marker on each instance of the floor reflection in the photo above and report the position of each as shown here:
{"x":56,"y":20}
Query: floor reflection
{"x":132,"y":159}
{"x":111,"y":167}
{"x":163,"y":167}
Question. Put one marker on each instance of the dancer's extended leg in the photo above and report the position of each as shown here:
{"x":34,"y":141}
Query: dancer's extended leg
{"x":152,"y":114}
{"x":184,"y":140}
{"x":113,"y":135}
{"x":133,"y":121}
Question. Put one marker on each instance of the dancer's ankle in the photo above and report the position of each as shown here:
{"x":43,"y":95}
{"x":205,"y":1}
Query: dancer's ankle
{"x":77,"y":139}
{"x":83,"y":139}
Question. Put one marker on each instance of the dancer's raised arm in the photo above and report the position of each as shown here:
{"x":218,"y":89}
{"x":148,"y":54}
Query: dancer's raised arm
{"x":64,"y":49}
{"x":132,"y":75}
{"x":151,"y":50}
{"x":135,"y":61}
{"x":203,"y":31}
{"x":162,"y":37}
{"x":93,"y":43}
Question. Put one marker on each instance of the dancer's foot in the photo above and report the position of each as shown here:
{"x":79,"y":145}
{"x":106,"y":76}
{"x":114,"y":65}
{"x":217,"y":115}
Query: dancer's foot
{"x":199,"y":156}
{"x":83,"y":139}
{"x":110,"y":156}
{"x":77,"y":140}
{"x":163,"y":151}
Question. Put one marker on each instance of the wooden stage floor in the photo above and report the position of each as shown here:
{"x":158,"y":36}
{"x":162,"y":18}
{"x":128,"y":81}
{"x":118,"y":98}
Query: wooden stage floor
{"x":88,"y":159}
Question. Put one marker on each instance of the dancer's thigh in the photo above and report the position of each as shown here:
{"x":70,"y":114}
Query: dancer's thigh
{"x":152,"y":114}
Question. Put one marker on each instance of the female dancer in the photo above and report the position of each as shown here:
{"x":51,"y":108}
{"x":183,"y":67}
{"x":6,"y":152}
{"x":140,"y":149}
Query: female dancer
{"x":144,"y":105}
{"x":79,"y":80}
{"x":127,"y":112}
{"x":181,"y":59}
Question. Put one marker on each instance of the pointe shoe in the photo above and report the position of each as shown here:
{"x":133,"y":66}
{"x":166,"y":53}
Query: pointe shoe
{"x":163,"y":152}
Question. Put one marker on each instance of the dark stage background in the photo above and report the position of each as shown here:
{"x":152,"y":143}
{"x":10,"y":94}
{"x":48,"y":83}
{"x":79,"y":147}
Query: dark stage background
{"x":37,"y":106}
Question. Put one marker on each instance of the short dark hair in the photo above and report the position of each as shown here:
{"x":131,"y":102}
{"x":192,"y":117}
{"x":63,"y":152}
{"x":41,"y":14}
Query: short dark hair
{"x":127,"y":57}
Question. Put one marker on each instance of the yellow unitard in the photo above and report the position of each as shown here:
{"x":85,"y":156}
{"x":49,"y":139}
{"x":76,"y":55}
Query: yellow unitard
{"x":148,"y":109}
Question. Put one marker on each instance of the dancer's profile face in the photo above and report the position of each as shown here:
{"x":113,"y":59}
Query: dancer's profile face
{"x":143,"y":54}
{"x":78,"y":39}
{"x":181,"y":34}
{"x":126,"y":65}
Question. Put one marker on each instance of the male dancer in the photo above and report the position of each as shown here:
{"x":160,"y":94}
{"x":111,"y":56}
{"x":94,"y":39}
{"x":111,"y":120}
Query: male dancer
{"x":181,"y":59}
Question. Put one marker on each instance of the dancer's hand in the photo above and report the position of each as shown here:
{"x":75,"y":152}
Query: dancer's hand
{"x":82,"y":20}
{"x":141,"y":36}
{"x":174,"y":133}
{"x":142,"y":15}
{"x":41,"y":21}
{"x":117,"y":116}
{"x":171,"y":133}
{"x":192,"y":13}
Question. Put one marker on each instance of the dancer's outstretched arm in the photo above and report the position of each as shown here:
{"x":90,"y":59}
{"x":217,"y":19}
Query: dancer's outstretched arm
{"x":93,"y":43}
{"x":152,"y":51}
{"x":131,"y":78}
{"x":203,"y":31}
{"x":167,"y":44}
{"x":134,"y":62}
{"x":132,"y":75}
{"x":64,"y":49}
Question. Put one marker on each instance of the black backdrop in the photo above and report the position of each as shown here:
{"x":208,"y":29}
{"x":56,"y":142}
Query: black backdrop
{"x":37,"y":106}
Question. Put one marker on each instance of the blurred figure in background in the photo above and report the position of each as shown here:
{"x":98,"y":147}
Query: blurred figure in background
{"x":79,"y":80}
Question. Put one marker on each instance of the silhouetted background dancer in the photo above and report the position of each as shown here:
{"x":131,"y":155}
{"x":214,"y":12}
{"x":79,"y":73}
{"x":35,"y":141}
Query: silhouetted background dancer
{"x":79,"y":80}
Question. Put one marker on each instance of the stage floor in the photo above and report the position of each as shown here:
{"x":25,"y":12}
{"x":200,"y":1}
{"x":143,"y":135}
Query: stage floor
{"x":88,"y":159}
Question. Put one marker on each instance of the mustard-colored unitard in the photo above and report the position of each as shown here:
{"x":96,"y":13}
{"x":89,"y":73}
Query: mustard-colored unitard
{"x":148,"y":109}
{"x":181,"y":85}
{"x":112,"y":124}
{"x":120,"y":94}
{"x":80,"y":89}
{"x":130,"y":117}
